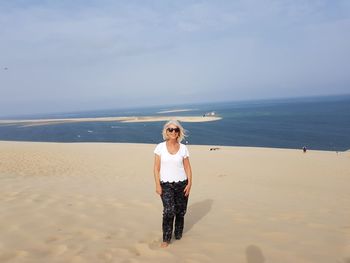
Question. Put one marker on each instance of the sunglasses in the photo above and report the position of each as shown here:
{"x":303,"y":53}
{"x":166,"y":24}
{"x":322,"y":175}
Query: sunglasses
{"x":173,"y":129}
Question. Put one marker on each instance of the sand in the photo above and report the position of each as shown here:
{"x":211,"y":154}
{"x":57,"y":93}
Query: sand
{"x":96,"y":202}
{"x":41,"y":122}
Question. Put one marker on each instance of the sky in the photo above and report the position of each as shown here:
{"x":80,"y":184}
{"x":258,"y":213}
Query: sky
{"x":76,"y":55}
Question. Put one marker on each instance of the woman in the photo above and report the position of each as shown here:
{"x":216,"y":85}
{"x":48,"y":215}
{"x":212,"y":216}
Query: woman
{"x":173,"y":178}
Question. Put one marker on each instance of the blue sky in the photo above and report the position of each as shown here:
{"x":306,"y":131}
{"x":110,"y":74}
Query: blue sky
{"x":58,"y":56}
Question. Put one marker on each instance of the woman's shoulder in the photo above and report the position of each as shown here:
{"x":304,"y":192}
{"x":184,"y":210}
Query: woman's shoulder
{"x":184,"y":151}
{"x":183,"y":146}
{"x":159,"y":148}
{"x":161,"y":143}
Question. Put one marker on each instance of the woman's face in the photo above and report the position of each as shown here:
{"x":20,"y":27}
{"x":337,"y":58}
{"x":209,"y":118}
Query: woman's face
{"x":172,"y":131}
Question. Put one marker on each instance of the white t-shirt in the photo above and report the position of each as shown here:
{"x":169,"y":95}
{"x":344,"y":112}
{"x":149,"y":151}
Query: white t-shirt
{"x":171,"y":165}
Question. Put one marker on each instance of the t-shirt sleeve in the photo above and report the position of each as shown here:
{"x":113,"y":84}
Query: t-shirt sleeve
{"x":185,"y":152}
{"x":157,"y":150}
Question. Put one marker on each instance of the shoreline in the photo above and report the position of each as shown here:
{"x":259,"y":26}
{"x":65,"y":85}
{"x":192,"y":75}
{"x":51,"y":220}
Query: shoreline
{"x":131,"y":119}
{"x":213,"y":147}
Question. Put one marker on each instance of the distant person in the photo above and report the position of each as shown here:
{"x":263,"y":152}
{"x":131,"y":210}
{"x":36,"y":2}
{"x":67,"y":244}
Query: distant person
{"x":304,"y":149}
{"x":173,"y":178}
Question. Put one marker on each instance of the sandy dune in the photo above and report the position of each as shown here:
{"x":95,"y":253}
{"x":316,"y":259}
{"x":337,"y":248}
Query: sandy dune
{"x":95,"y":202}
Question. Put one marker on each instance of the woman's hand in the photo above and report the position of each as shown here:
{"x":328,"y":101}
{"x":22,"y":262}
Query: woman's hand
{"x":188,"y":170}
{"x":159,"y":189}
{"x":187,"y":189}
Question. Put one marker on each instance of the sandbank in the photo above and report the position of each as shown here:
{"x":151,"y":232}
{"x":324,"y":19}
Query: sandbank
{"x":96,"y":202}
{"x":38,"y":122}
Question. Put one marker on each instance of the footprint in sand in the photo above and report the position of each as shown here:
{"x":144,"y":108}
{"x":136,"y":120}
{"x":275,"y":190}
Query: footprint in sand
{"x":58,"y":250}
{"x":154,"y":244}
{"x":13,"y":256}
{"x":147,"y":248}
{"x":52,"y":239}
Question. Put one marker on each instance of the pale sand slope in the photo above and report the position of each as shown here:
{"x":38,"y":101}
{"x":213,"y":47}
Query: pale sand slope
{"x":95,"y":202}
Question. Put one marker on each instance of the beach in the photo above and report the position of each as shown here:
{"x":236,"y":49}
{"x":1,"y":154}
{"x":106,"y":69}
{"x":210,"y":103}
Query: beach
{"x":131,"y":119}
{"x":96,"y":202}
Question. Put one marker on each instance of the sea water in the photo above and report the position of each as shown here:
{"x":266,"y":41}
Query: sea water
{"x":320,"y":123}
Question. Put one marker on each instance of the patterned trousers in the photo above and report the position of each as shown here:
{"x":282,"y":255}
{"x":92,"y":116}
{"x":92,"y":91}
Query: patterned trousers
{"x":174,"y":206}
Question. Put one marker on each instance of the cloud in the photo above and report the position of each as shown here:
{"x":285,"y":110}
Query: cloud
{"x":142,"y":51}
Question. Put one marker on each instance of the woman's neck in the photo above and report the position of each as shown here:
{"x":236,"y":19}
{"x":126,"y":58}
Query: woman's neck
{"x":172,"y":141}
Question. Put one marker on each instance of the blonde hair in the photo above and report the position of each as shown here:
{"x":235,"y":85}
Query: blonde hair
{"x":182,"y":133}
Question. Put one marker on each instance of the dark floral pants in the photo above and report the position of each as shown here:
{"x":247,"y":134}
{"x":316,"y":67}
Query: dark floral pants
{"x":174,"y":206}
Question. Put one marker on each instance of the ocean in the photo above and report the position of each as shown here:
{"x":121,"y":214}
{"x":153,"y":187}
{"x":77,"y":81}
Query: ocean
{"x":319,"y":123}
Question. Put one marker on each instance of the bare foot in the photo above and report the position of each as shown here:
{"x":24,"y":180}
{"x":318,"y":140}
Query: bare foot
{"x":164,"y":244}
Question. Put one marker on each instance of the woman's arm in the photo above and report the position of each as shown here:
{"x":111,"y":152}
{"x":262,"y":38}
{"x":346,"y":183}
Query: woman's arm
{"x":156,"y":172}
{"x":188,"y":171}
